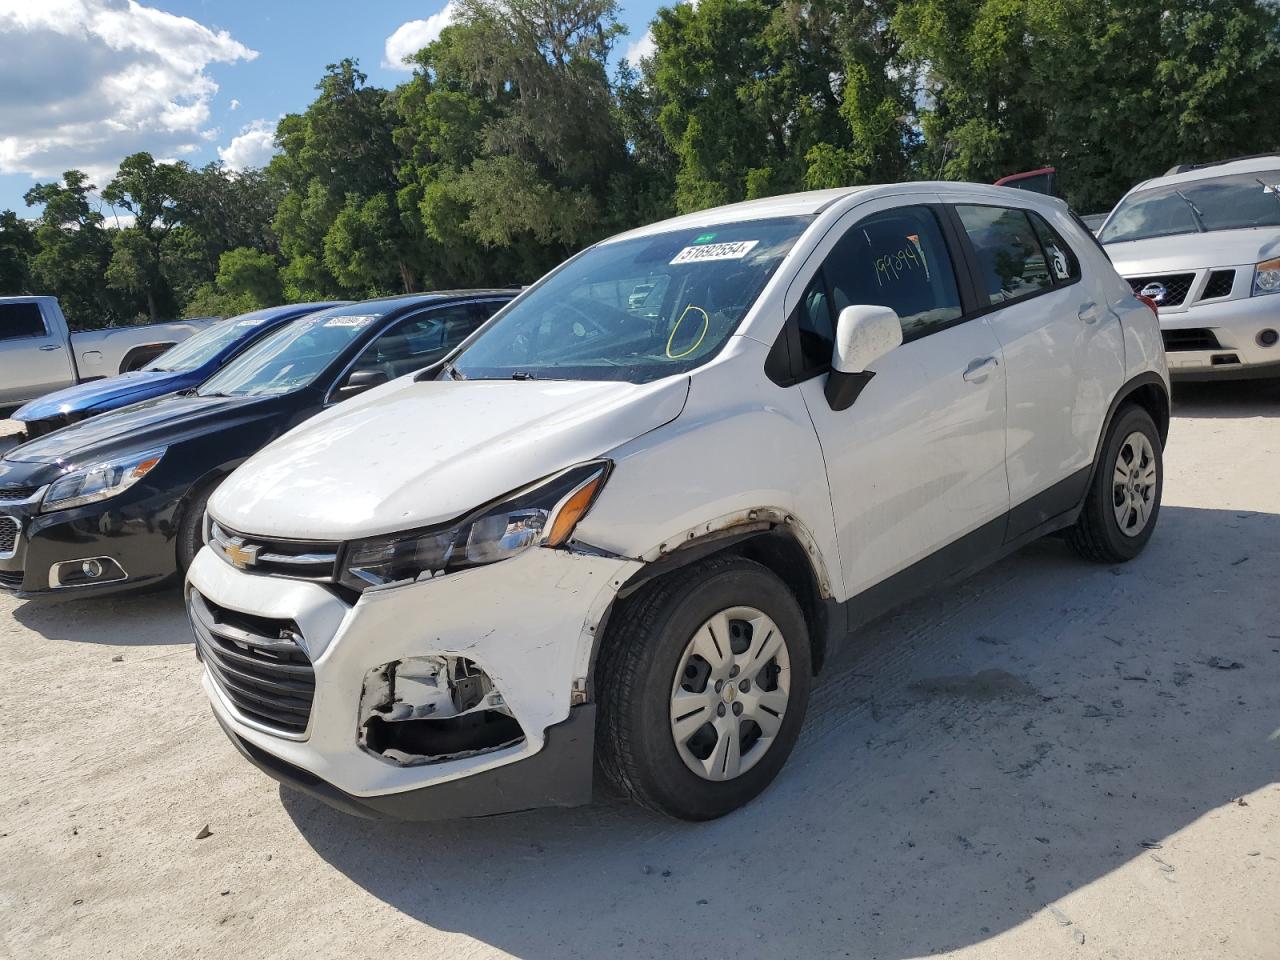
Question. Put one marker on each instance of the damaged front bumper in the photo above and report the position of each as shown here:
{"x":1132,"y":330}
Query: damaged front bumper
{"x":462,"y":695}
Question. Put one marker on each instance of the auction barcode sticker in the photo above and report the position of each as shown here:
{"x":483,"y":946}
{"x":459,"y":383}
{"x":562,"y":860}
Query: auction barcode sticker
{"x":714,"y":251}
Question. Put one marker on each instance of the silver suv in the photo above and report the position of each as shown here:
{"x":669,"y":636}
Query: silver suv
{"x":1203,"y":242}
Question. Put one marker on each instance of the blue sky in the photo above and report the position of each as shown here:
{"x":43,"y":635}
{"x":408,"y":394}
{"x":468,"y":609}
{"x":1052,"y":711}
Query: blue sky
{"x":85,"y":82}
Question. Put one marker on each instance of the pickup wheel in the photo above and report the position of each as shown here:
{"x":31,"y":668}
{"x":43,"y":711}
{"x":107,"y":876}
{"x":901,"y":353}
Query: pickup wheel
{"x":1123,"y":502}
{"x":190,"y":537}
{"x":704,"y":682}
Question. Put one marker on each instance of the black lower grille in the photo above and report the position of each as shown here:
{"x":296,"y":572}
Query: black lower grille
{"x":1192,"y":339}
{"x":1169,"y":290}
{"x":1219,"y":284}
{"x":258,"y":663}
{"x":8,"y":534}
{"x":11,"y":579}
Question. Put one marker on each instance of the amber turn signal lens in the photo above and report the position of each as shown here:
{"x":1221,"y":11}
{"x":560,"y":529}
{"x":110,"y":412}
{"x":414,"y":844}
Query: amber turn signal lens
{"x":574,"y":509}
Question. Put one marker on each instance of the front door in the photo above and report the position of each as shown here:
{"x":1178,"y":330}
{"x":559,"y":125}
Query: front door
{"x":917,"y":462}
{"x":32,"y":361}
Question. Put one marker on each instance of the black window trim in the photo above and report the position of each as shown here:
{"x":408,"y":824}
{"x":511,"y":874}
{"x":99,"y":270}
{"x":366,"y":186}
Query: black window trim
{"x":971,"y":256}
{"x":786,"y":371}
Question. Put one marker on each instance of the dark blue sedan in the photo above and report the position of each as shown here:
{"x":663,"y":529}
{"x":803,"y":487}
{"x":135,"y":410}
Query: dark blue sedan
{"x":189,"y":364}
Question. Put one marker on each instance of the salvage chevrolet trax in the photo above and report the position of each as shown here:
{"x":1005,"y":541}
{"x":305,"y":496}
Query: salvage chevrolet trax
{"x":633,"y":515}
{"x":117,"y":502}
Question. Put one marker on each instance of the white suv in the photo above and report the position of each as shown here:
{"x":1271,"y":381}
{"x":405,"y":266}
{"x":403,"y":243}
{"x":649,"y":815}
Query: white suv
{"x":1203,"y":242}
{"x":643,"y":505}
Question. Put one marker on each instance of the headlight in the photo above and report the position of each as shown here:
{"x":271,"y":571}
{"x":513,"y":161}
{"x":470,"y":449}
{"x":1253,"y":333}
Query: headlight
{"x":542,"y":514}
{"x":1266,"y":277}
{"x":100,"y":481}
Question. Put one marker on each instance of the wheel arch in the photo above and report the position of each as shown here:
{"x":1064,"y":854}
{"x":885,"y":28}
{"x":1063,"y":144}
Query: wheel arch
{"x":1146,"y":390}
{"x":777,"y":545}
{"x":142,"y":354}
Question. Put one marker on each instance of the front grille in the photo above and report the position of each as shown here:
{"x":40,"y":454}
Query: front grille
{"x":298,"y":559}
{"x":1219,"y":285}
{"x":16,"y":494}
{"x":11,"y":579}
{"x":1176,"y":287}
{"x":1196,"y":339}
{"x":259,"y":664}
{"x":8,"y":535}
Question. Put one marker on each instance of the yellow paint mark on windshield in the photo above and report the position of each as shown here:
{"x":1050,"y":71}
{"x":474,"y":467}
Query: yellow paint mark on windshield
{"x":706,"y":325}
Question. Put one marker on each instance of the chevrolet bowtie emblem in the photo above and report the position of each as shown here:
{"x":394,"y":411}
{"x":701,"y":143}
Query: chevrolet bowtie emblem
{"x":239,"y":555}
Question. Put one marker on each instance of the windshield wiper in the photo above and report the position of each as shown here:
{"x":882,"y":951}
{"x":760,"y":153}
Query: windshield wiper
{"x":523,"y":375}
{"x":1269,"y":188}
{"x":1195,"y":211}
{"x":453,"y":373}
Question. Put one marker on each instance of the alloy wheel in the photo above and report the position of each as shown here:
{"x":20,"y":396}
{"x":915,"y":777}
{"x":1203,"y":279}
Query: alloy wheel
{"x":1134,"y":484}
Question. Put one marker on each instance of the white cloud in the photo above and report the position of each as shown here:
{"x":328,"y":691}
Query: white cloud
{"x":413,"y":35}
{"x":641,"y":49}
{"x":235,"y":104}
{"x":253,"y":147}
{"x":87,"y":82}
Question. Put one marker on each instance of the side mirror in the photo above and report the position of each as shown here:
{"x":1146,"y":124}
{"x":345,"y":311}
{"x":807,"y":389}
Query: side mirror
{"x":864,"y":334}
{"x":361,"y":380}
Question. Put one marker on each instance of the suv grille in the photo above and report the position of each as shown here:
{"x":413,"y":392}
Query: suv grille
{"x":298,"y":559}
{"x":8,"y":535}
{"x":1219,"y":285}
{"x":1196,"y":339}
{"x":258,"y":663}
{"x":1176,"y":287}
{"x":16,"y":494}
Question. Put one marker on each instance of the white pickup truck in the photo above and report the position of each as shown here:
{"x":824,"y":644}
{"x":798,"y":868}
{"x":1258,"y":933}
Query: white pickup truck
{"x":39,"y":354}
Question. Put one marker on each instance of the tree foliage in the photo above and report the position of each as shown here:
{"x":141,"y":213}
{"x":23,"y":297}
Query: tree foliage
{"x":513,"y":146}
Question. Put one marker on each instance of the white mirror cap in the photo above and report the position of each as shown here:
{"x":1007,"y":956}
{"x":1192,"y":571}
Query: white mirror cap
{"x":864,"y":334}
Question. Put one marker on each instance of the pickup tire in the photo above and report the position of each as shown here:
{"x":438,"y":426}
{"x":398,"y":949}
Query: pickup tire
{"x":675,"y":729}
{"x":190,"y":532}
{"x":1123,"y":501}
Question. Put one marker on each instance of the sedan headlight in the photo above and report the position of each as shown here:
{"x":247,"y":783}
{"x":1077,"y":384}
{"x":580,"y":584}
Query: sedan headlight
{"x":100,"y":481}
{"x":543,"y":514}
{"x":1266,"y":277}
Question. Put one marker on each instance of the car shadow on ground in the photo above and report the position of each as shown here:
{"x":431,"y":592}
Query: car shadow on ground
{"x":142,"y":619}
{"x":1230,"y":398}
{"x":966,"y":762}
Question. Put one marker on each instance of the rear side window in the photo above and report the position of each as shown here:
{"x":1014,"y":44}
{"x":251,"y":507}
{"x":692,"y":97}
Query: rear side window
{"x":1063,"y":265}
{"x":1011,"y":262}
{"x":897,"y":259}
{"x":19,"y":320}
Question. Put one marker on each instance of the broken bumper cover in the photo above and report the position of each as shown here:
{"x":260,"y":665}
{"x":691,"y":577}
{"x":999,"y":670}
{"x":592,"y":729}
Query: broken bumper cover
{"x":527,"y":622}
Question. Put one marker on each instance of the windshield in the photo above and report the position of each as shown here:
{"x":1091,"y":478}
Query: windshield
{"x":1236,"y":202}
{"x":637,"y":309}
{"x":199,"y":349}
{"x":290,"y":358}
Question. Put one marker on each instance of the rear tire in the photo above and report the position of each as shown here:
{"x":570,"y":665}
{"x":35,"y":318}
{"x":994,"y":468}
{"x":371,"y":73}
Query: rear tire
{"x":1123,"y":502}
{"x":190,"y":536}
{"x":677,"y":731}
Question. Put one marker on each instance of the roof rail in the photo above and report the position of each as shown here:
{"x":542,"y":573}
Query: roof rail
{"x":1188,"y":167}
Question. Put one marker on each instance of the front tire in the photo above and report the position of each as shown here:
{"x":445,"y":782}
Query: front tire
{"x":704,"y":682}
{"x":190,"y":534}
{"x":1123,"y":502}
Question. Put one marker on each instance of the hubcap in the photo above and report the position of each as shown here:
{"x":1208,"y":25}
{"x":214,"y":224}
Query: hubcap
{"x":1133,"y":486}
{"x":730,"y":693}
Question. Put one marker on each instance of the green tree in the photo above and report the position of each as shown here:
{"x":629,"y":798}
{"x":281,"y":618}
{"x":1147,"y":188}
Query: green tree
{"x":149,"y":191}
{"x":17,"y":247}
{"x":247,"y":279}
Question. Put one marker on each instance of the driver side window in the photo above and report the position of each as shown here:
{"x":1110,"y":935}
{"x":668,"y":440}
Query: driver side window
{"x":417,"y":341}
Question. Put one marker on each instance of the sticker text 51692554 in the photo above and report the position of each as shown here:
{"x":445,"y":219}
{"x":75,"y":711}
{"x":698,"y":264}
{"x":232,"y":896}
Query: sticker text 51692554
{"x":705,"y":252}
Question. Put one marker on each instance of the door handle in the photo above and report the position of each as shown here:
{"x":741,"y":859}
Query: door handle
{"x":978,"y":370}
{"x":51,"y":346}
{"x":1089,"y":312}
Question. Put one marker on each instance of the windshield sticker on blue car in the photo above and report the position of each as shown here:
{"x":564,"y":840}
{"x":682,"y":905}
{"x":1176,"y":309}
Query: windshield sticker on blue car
{"x":363,"y":320}
{"x":714,"y":251}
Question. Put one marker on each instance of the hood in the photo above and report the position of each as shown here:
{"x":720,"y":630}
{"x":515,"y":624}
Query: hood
{"x":152,"y":423}
{"x":1195,"y":251}
{"x":98,"y":395}
{"x":413,"y":454}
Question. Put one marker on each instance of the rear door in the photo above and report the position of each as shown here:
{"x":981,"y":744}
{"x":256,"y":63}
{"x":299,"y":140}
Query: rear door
{"x":1063,"y":350}
{"x":33,"y":361}
{"x":917,"y":462}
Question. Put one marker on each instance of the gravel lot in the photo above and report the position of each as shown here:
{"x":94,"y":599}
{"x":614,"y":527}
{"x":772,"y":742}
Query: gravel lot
{"x":1050,"y":760}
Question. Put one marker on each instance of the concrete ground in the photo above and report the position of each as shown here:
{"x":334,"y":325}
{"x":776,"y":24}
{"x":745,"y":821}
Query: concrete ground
{"x":1051,"y":760}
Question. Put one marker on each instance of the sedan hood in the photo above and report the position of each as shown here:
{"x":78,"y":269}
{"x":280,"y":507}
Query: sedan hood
{"x":104,"y":394}
{"x":152,"y":423}
{"x":1194,"y":251}
{"x":414,"y":454}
